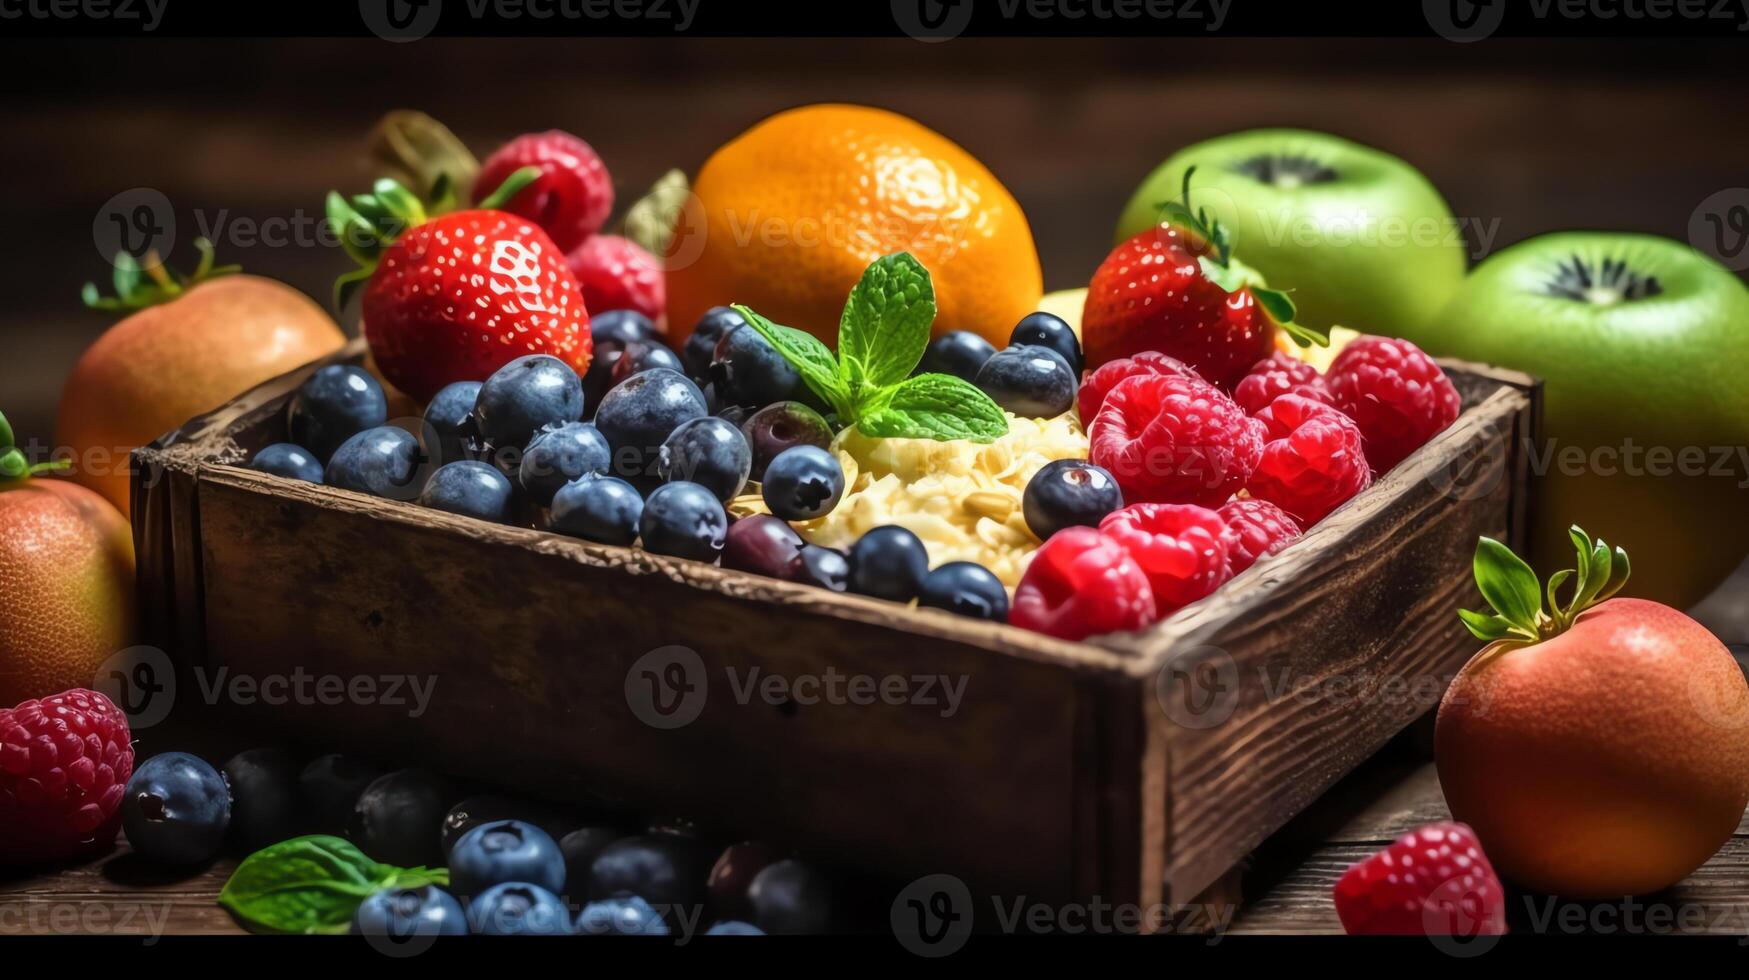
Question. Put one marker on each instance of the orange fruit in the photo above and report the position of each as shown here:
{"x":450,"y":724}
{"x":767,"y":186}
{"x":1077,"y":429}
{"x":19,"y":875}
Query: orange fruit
{"x":164,"y":365}
{"x":67,"y":572}
{"x":792,"y":211}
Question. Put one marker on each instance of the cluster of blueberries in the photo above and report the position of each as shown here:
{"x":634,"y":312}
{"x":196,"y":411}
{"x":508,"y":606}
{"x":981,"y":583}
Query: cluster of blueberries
{"x":511,"y":862}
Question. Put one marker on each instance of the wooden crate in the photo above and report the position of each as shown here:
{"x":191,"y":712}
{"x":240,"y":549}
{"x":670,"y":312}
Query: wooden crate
{"x":1069,"y":770}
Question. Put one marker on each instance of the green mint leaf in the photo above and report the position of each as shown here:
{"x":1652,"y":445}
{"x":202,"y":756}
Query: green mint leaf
{"x":811,"y":359}
{"x":885,"y":326}
{"x":310,"y":885}
{"x":936,"y":406}
{"x":1508,"y":584}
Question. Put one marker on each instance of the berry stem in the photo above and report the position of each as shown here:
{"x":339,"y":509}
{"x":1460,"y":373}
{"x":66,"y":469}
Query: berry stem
{"x":138,"y":285}
{"x":1517,"y":597}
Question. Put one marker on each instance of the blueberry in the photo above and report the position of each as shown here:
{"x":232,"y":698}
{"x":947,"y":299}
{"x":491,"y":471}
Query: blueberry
{"x":749,"y":371}
{"x":560,"y":454}
{"x":332,"y":405}
{"x":1068,"y":493}
{"x":449,"y":423}
{"x":266,"y":801}
{"x":889,"y":562}
{"x":625,"y":915}
{"x":684,"y":520}
{"x":660,"y":869}
{"x":602,"y":509}
{"x":818,"y":565}
{"x":790,"y":898}
{"x":472,"y":489}
{"x":176,"y":809}
{"x":625,"y":326}
{"x":580,"y":848}
{"x":958,"y":352}
{"x":598,"y":376}
{"x":1047,"y":330}
{"x":1031,"y":382}
{"x":288,"y":460}
{"x":966,"y":588}
{"x":639,"y":414}
{"x":763,"y":545}
{"x":525,"y":396}
{"x":405,"y":913}
{"x":384,"y":461}
{"x":733,"y":875}
{"x":710,"y":452}
{"x":736,"y":415}
{"x":506,"y":850}
{"x":330,"y":786}
{"x":642,"y":356}
{"x":731,"y":927}
{"x":517,"y":908}
{"x":398,"y":819}
{"x":803,"y":483}
{"x":781,"y":426}
{"x":490,"y":808}
{"x":701,"y":347}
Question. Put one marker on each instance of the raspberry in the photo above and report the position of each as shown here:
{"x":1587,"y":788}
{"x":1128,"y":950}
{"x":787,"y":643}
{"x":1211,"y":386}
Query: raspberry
{"x":1276,"y":375}
{"x":1395,"y":393}
{"x":1080,"y":584}
{"x":1100,"y":382}
{"x":1172,"y":439}
{"x":618,"y":274}
{"x":1182,"y":548}
{"x":573,"y":195}
{"x":64,"y":762}
{"x":1255,"y":529}
{"x":1312,"y":462}
{"x":1433,"y":881}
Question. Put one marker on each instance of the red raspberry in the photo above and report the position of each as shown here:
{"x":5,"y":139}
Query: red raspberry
{"x":1080,"y":584}
{"x":1312,"y":462}
{"x":573,"y":195}
{"x":64,"y":762}
{"x":1434,"y":881}
{"x":619,"y":274}
{"x":1255,"y":529}
{"x":1172,"y":439}
{"x":1100,"y":382}
{"x":1395,"y":393}
{"x":1276,"y":375}
{"x":1182,"y":548}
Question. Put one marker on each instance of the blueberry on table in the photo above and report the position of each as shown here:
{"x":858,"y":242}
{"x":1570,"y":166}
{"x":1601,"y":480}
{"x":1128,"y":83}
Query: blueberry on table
{"x":398,"y":819}
{"x":490,"y":808}
{"x":958,"y":352}
{"x":1068,"y":493}
{"x":404,"y":913}
{"x":176,"y":809}
{"x":602,"y":509}
{"x":266,"y":800}
{"x":506,"y":850}
{"x":778,"y":427}
{"x":560,"y":454}
{"x":967,"y":589}
{"x":384,"y":462}
{"x":1047,"y":330}
{"x":288,"y":460}
{"x":826,"y":567}
{"x":749,"y":371}
{"x":790,"y":898}
{"x":889,"y":562}
{"x":525,"y":396}
{"x":332,"y":405}
{"x":732,"y":927}
{"x":626,"y":326}
{"x":472,"y":489}
{"x":803,"y":483}
{"x":710,"y":452}
{"x":763,"y":545}
{"x":732,"y":875}
{"x":639,"y":414}
{"x":660,"y":869}
{"x":580,"y":848}
{"x":449,"y":423}
{"x":518,"y":908}
{"x":330,"y":786}
{"x":684,"y":520}
{"x":624,"y":915}
{"x":1031,"y":382}
{"x":701,"y":346}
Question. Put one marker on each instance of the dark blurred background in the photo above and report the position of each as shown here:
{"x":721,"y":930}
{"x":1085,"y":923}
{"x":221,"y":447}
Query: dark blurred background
{"x":1523,"y":136}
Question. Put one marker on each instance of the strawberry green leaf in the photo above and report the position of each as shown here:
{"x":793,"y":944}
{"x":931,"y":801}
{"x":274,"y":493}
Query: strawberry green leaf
{"x":885,"y":326}
{"x":513,"y":185}
{"x":936,"y":406}
{"x":1508,"y":584}
{"x":1485,"y":627}
{"x":811,"y":359}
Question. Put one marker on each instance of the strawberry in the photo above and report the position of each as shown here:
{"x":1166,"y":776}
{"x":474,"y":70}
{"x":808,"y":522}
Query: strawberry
{"x":1177,"y":289}
{"x":572,"y":196}
{"x":457,"y":296}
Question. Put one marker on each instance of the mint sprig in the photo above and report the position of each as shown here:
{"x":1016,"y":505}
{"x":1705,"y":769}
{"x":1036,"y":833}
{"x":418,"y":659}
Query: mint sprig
{"x":882,"y":336}
{"x":1516,"y":595}
{"x":310,"y":885}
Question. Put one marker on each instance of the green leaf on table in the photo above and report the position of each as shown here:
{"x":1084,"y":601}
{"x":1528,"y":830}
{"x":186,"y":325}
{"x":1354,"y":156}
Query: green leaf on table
{"x":310,"y":885}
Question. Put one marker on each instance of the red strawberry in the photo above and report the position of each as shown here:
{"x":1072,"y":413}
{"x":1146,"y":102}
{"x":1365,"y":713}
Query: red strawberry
{"x":1173,"y":439}
{"x":1080,"y":584}
{"x":1182,"y":548}
{"x":1312,"y":460}
{"x":64,"y":763}
{"x":1177,"y":289}
{"x":1397,"y":395}
{"x":571,"y":198}
{"x":1099,"y":383}
{"x":1433,"y":881}
{"x":1277,"y":375}
{"x":619,"y":274}
{"x":1255,"y":529}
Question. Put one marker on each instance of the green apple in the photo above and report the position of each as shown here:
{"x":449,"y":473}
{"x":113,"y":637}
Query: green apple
{"x":1643,"y":346}
{"x":1355,"y":235}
